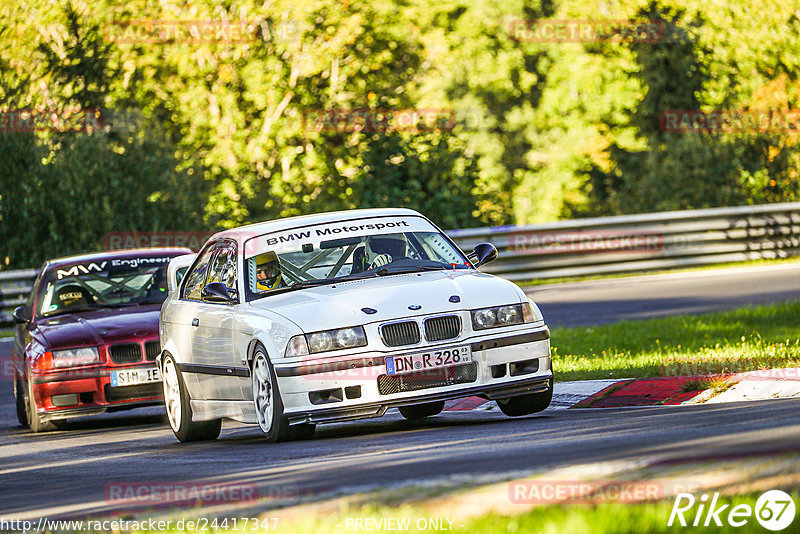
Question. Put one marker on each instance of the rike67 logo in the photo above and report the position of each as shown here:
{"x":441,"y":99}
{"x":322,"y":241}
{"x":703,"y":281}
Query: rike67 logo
{"x":774,"y":510}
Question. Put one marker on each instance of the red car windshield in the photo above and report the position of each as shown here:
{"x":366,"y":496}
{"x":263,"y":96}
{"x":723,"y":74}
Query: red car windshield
{"x":103,"y":284}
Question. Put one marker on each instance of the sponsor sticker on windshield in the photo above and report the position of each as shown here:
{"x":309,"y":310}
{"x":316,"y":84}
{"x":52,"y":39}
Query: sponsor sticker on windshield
{"x":97,"y":267}
{"x":378,"y":225}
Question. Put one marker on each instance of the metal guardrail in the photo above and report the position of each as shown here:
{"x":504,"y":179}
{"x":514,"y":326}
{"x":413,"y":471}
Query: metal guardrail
{"x":641,"y":242}
{"x":598,"y":245}
{"x":14,"y":289}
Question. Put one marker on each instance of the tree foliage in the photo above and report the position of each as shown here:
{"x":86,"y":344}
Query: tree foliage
{"x":226,"y":128}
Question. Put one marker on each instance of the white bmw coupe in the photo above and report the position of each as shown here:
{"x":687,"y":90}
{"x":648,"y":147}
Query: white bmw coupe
{"x":341,"y":316}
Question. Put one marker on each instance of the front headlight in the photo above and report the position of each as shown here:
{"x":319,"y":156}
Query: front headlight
{"x":502,"y":316}
{"x":530,"y":312}
{"x":297,"y":346}
{"x":340,"y":338}
{"x":75,"y":357}
{"x":320,"y":342}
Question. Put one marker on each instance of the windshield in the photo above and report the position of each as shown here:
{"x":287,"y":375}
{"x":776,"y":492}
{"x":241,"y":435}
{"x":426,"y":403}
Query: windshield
{"x":106,"y":283}
{"x":345,"y":250}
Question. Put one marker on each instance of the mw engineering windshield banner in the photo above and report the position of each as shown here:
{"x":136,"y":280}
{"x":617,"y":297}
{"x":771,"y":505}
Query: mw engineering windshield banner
{"x":106,"y":265}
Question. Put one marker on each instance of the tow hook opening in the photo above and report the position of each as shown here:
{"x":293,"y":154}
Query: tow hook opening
{"x":326,"y":396}
{"x":523,"y":367}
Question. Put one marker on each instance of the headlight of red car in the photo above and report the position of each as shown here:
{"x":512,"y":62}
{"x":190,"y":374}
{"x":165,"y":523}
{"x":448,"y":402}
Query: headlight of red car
{"x":75,"y":357}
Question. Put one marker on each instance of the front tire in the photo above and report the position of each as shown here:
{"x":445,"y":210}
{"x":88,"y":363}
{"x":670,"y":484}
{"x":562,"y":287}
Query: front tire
{"x":421,"y":411}
{"x":179,"y":408}
{"x":526,"y":404}
{"x":268,"y":405}
{"x":19,"y":401}
{"x":34,"y":420}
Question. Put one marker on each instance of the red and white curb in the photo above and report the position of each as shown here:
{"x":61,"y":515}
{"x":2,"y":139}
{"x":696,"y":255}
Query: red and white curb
{"x":568,"y":394}
{"x":565,"y":395}
{"x":758,"y":385}
{"x":613,"y":393}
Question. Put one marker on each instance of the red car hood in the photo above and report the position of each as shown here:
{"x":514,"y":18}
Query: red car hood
{"x":100,"y":327}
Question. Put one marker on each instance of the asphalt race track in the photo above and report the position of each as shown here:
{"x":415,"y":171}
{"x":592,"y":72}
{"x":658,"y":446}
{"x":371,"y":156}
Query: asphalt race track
{"x":73,"y":473}
{"x":644,"y":297}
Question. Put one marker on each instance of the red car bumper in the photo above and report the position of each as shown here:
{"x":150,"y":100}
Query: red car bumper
{"x":75,"y":393}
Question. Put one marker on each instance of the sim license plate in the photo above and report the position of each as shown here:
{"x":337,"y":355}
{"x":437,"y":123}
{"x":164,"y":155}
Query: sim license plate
{"x":131,"y":377}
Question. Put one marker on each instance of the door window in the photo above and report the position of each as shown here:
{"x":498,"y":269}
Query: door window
{"x":196,"y":279}
{"x":223,"y":265}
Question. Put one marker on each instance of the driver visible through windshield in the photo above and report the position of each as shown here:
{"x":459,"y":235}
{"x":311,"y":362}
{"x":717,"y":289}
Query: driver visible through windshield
{"x":344,"y":250}
{"x":107,"y":283}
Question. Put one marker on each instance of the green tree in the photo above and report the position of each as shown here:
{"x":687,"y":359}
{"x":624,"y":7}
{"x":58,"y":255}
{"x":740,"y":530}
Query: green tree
{"x":61,"y":191}
{"x":680,"y":170}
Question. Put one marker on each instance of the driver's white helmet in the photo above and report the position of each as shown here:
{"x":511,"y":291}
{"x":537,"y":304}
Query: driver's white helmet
{"x":384,"y":249}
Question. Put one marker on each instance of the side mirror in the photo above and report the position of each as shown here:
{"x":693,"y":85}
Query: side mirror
{"x":482,"y":254}
{"x":218,"y":292}
{"x":19,"y":315}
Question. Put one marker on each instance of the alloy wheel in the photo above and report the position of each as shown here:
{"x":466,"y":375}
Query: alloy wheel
{"x":172,"y":394}
{"x":263,"y":392}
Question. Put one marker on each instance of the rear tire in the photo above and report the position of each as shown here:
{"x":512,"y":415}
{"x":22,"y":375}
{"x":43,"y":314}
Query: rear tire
{"x":35,"y":422}
{"x":179,"y":408}
{"x":421,"y":411}
{"x":268,"y":405}
{"x":526,"y":404}
{"x":19,"y":401}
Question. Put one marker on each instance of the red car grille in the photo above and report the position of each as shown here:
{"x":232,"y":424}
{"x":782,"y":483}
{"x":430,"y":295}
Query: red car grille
{"x":151,"y":350}
{"x":125,"y":353}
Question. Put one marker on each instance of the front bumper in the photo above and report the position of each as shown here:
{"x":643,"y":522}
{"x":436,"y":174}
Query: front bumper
{"x":522,"y":387}
{"x":78,"y":393}
{"x":506,"y":365}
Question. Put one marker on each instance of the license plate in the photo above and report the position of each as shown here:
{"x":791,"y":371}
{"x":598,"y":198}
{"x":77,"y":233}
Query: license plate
{"x":131,"y":377}
{"x":432,"y":359}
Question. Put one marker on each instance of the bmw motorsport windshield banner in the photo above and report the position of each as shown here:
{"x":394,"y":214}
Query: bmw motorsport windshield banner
{"x":290,"y":239}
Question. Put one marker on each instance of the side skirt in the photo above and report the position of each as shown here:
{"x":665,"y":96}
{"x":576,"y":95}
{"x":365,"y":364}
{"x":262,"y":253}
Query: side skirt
{"x":206,"y":410}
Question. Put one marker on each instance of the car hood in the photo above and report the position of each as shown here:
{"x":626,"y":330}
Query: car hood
{"x":393,"y":297}
{"x":99,"y":327}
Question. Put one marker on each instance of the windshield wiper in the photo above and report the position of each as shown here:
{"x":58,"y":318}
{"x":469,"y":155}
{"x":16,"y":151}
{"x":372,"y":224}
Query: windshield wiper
{"x":94,"y":306}
{"x":302,"y":285}
{"x":149,"y":301}
{"x":68,"y":310}
{"x":313,"y":283}
{"x":385,"y":271}
{"x":322,"y":282}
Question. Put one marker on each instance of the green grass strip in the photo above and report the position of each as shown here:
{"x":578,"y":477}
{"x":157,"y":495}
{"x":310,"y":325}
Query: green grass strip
{"x":745,"y":339}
